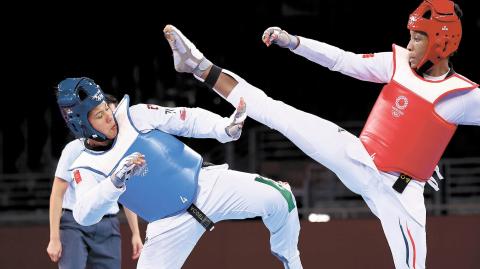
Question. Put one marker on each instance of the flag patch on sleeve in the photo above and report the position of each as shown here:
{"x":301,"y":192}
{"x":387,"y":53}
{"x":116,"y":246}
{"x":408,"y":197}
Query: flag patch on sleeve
{"x":368,"y":55}
{"x":183,"y":114}
{"x":77,"y":176}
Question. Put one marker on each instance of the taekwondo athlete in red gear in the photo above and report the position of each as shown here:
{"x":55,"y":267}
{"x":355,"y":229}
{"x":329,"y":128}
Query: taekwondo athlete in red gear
{"x":420,"y":79}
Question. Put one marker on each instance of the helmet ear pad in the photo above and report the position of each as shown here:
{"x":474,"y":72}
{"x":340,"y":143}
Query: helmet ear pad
{"x":438,"y":20}
{"x":441,"y":45}
{"x":76,"y":97}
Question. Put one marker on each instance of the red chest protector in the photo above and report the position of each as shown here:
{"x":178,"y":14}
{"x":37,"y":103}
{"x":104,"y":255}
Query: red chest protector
{"x":403,"y":132}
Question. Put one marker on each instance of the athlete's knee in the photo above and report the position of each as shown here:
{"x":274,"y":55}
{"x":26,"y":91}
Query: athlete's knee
{"x":279,"y":201}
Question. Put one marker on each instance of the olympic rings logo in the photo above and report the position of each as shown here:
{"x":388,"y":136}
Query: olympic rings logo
{"x":401,"y":103}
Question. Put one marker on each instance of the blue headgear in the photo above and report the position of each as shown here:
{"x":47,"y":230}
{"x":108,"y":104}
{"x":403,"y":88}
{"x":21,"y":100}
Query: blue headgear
{"x":76,"y":97}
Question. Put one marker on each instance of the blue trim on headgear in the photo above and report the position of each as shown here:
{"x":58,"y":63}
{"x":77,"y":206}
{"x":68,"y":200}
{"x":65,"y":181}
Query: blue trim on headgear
{"x":75,"y":110}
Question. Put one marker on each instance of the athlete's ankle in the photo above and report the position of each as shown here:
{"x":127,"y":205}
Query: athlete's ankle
{"x":203,"y":66}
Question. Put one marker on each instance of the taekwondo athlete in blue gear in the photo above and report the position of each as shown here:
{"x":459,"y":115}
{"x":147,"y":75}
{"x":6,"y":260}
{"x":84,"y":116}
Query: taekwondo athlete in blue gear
{"x":167,"y":183}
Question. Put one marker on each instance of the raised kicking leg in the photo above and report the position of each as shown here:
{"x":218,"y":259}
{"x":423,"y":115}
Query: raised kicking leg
{"x":320,"y":139}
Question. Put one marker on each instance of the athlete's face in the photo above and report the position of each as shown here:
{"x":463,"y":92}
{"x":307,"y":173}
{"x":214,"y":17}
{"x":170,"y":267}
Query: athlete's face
{"x":101,"y":118}
{"x":417,"y":47}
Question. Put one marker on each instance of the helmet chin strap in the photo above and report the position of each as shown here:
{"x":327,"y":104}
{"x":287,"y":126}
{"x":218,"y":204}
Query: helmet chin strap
{"x":94,"y":146}
{"x":98,"y":139}
{"x":428,"y":66}
{"x":424,"y":68}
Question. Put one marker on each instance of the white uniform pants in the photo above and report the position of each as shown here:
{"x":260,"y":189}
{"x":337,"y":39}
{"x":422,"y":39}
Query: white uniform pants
{"x":226,"y":194}
{"x":344,"y":154}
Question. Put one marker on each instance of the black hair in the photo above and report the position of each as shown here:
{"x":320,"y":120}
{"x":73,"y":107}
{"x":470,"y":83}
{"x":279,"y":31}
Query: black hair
{"x":110,"y":99}
{"x":458,"y":11}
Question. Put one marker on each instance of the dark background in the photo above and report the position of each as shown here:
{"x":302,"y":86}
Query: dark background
{"x":121,"y":46}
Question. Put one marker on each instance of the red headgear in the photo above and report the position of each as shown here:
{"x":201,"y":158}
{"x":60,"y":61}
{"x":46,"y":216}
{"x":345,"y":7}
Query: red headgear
{"x":438,"y":20}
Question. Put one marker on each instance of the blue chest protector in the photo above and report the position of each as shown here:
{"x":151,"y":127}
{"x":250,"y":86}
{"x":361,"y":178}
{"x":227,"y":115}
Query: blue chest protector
{"x":169,"y":184}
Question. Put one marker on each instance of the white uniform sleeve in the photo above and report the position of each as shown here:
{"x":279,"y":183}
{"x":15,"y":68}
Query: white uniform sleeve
{"x":461,"y":108}
{"x":472,"y":108}
{"x":181,"y":121}
{"x":95,"y":196}
{"x":377,"y":67}
{"x":69,"y":153}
